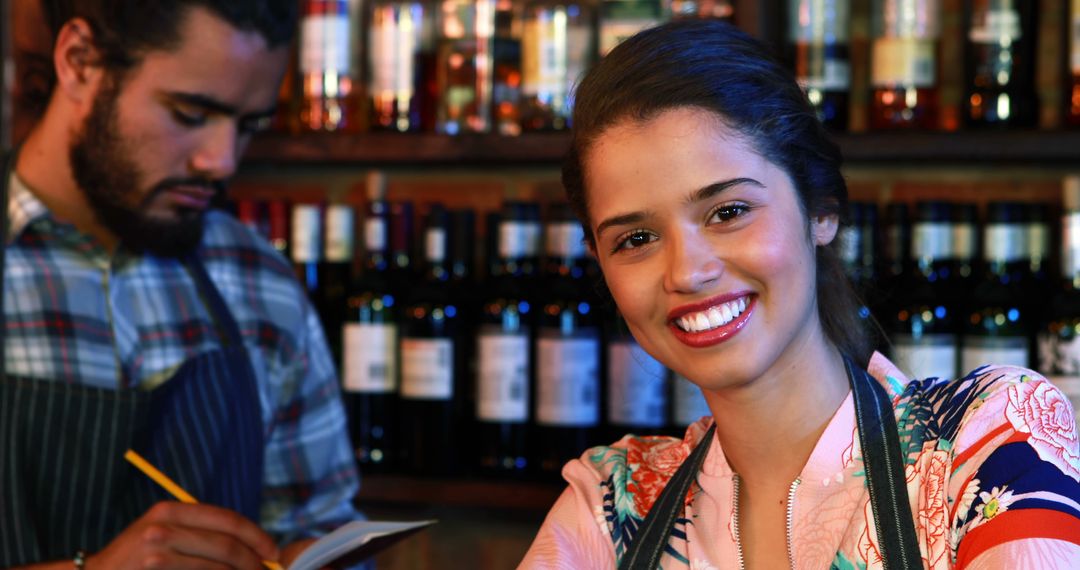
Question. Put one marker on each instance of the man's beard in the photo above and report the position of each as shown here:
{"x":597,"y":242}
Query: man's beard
{"x":103,"y":168}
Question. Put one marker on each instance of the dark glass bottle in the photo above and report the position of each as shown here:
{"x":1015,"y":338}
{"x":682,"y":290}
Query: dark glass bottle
{"x":504,"y":350}
{"x":557,"y":48}
{"x":432,"y":376}
{"x":507,"y":68}
{"x":965,"y":231}
{"x":305,"y":247}
{"x":638,"y":386}
{"x":1000,"y":63}
{"x":904,"y":67}
{"x":335,"y":272}
{"x":567,"y":347}
{"x":397,"y":33}
{"x":1059,"y":334}
{"x":370,"y":348}
{"x":923,"y":322}
{"x":277,"y":214}
{"x":859,"y":253}
{"x":896,"y":257}
{"x":818,"y":33}
{"x":998,"y":327}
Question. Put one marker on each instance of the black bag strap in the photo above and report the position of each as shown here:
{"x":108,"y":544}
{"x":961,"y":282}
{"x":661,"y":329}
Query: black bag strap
{"x":880,"y":443}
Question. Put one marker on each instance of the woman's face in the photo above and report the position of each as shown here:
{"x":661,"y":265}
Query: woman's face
{"x":704,"y":247}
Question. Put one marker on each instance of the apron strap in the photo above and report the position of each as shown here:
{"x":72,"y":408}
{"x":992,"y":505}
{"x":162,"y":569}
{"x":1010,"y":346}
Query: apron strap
{"x":652,"y":538}
{"x":885,"y":477}
{"x":880,"y":443}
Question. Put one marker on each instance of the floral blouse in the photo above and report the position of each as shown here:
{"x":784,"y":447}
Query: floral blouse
{"x":993,"y":474}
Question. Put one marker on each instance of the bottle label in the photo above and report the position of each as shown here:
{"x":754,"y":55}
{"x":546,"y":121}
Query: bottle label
{"x":324,"y":46}
{"x":375,"y":234}
{"x":829,"y":74}
{"x":689,"y":403}
{"x":903,"y":61}
{"x":849,"y":245}
{"x":544,"y":54}
{"x":929,"y":356}
{"x":637,"y":387}
{"x":614,"y":31}
{"x":931,"y":240}
{"x":435,"y":244}
{"x":980,"y":350}
{"x":503,"y":381}
{"x":909,"y":18}
{"x":370,"y":363}
{"x":567,"y":391}
{"x":566,"y":239}
{"x":1038,"y":240}
{"x":963,"y":241}
{"x":512,"y":239}
{"x":393,"y":45}
{"x":340,"y":231}
{"x":819,"y":21}
{"x":427,"y":368}
{"x":1005,"y":242}
{"x":999,"y":25}
{"x":1070,"y":245}
{"x":305,"y":233}
{"x":533,"y":233}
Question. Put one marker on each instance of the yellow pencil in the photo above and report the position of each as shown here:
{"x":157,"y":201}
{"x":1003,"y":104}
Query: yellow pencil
{"x":173,"y":489}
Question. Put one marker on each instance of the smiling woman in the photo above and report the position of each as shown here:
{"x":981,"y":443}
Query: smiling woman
{"x":712,"y":198}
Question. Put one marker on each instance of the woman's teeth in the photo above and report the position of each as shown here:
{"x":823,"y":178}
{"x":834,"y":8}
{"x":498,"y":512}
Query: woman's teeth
{"x":712,"y":317}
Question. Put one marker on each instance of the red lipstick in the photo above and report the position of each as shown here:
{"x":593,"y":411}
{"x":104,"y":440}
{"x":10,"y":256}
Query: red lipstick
{"x":712,"y":336}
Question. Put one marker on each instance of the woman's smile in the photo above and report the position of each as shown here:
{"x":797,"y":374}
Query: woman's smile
{"x":712,"y":322}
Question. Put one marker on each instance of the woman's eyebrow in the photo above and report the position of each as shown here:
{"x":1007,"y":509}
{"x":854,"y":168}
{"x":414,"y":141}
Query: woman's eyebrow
{"x":620,"y":220}
{"x":718,"y":187}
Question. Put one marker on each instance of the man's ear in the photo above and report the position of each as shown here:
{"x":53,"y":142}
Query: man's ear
{"x":823,"y":228}
{"x":77,"y":60}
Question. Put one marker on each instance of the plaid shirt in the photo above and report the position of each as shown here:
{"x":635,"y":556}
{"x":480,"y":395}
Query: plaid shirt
{"x":76,"y":313}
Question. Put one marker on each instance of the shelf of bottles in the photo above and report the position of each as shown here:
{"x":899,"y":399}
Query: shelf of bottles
{"x":490,"y":81}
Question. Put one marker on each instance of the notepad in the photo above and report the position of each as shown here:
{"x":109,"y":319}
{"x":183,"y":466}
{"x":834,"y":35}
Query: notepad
{"x":354,"y":542}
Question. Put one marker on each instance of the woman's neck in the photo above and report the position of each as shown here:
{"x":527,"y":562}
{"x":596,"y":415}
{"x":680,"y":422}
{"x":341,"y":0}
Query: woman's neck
{"x":768,"y":427}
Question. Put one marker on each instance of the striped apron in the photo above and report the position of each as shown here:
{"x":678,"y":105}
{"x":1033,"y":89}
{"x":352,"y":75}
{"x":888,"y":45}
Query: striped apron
{"x":64,"y":484}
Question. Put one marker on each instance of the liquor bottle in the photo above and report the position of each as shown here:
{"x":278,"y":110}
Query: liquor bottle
{"x":463,"y":65}
{"x":1059,"y":334}
{"x":432,"y":377}
{"x":998,"y":327}
{"x":403,"y":273}
{"x":638,"y":386}
{"x":1073,"y":81}
{"x":1038,"y":241}
{"x":1000,"y":63}
{"x":335,"y":272}
{"x":557,"y":48}
{"x":818,"y":39}
{"x":506,"y":73}
{"x":396,"y":38}
{"x":903,"y":70}
{"x":896,"y":257}
{"x":965,"y":232}
{"x":686,"y":9}
{"x":329,"y":88}
{"x":504,"y":350}
{"x":923,"y":322}
{"x":370,"y":343}
{"x":858,"y":252}
{"x":688,"y":404}
{"x":277,"y":214}
{"x":306,"y":247}
{"x":620,"y":19}
{"x":567,"y":347}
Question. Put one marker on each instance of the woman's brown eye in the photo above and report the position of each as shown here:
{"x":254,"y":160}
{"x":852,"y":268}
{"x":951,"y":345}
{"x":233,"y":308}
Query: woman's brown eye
{"x":638,"y":240}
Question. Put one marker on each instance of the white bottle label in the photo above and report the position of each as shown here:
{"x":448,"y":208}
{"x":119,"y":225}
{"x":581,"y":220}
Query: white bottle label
{"x":979,"y":351}
{"x":822,"y":21}
{"x":834,"y":75}
{"x":340,"y":232}
{"x":997,"y":26}
{"x":689,"y":403}
{"x":568,"y":381}
{"x":324,"y":46}
{"x":503,"y":381}
{"x":370,"y":359}
{"x":427,"y":368}
{"x":932,"y":355}
{"x":393,"y":44}
{"x":1005,"y":242}
{"x":964,"y":245}
{"x":375,"y":234}
{"x":565,"y":239}
{"x":637,"y":387}
{"x":512,"y":239}
{"x":613,"y":32}
{"x":435,"y":244}
{"x":931,"y":240}
{"x":901,"y":61}
{"x":305,"y":233}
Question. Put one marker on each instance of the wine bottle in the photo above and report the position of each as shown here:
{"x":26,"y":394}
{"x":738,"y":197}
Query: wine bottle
{"x":567,"y":347}
{"x":1000,"y":63}
{"x":396,"y":39}
{"x":557,"y":48}
{"x":432,"y":376}
{"x":335,"y":272}
{"x":998,"y":327}
{"x":818,"y":33}
{"x":858,"y":252}
{"x":1073,"y":77}
{"x":717,"y":9}
{"x":330,"y":90}
{"x":506,"y":73}
{"x":463,"y":65}
{"x":1059,"y":334}
{"x":638,"y":386}
{"x":306,"y":247}
{"x":923,"y":322}
{"x":904,"y":68}
{"x":277,"y":213}
{"x":504,"y":350}
{"x":370,"y":343}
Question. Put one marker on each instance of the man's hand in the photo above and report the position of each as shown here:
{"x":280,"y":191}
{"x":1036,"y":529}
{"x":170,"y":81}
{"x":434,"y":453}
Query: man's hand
{"x":179,"y":536}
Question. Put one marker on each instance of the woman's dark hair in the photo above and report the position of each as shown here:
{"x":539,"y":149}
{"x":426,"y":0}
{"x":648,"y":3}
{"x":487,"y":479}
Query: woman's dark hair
{"x":714,"y":66}
{"x":125,"y":30}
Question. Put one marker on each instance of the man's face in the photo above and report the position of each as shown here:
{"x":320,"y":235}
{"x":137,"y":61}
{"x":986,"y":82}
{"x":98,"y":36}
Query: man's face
{"x":161,"y":139}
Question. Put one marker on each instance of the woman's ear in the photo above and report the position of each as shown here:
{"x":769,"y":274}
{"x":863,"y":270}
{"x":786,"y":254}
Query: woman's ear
{"x":823,"y":228}
{"x":78,"y":62}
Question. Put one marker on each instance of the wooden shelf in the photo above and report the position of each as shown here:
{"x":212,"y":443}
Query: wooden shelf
{"x":990,"y":148}
{"x":473,"y":493}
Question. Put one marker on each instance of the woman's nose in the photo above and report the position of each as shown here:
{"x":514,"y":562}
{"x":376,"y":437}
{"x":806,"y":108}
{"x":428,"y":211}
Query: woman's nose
{"x":693,"y":263}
